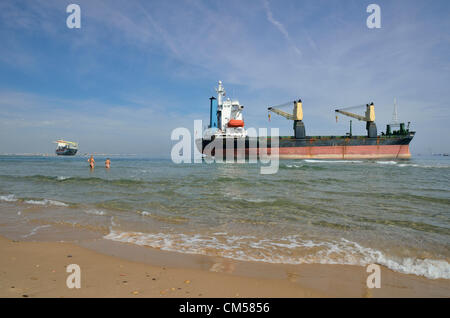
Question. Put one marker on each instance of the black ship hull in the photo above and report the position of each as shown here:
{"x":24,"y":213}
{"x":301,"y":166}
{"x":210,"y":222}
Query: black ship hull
{"x":66,"y":152}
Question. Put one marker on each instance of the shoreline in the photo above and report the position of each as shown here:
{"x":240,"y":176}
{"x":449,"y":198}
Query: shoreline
{"x":115,"y":269}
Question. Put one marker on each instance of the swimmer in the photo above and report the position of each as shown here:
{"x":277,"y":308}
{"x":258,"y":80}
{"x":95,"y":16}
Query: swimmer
{"x":107,"y":163}
{"x":91,"y":162}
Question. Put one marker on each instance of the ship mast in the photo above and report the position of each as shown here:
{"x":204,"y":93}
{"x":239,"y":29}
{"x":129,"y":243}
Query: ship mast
{"x":395,"y":114}
{"x":220,"y":93}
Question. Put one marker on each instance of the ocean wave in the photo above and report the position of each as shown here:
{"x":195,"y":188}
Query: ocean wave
{"x":386,"y":162}
{"x":74,"y":179}
{"x":316,"y":164}
{"x":331,"y":161}
{"x":8,"y":198}
{"x":415,"y":165}
{"x":46,"y":202}
{"x":95,"y":212}
{"x":303,"y":167}
{"x":286,"y":250}
{"x":234,"y":180}
{"x":237,"y":197}
{"x":34,"y":231}
{"x":172,"y":219}
{"x":43,"y":202}
{"x":256,"y":200}
{"x":380,"y":162}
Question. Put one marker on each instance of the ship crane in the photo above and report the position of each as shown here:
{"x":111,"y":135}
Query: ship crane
{"x":296,"y":116}
{"x":369,"y":117}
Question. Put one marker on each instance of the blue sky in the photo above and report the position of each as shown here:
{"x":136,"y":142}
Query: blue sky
{"x":138,"y":69}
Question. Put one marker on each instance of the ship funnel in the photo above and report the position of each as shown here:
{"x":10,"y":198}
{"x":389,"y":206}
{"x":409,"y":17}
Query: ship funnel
{"x":213,"y":113}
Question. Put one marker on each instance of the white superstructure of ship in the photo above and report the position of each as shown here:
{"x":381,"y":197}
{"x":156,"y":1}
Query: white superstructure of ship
{"x":66,"y":148}
{"x":226,"y":117}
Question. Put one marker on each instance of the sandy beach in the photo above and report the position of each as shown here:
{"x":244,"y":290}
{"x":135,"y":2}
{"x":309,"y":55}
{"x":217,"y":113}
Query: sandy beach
{"x":38,"y":269}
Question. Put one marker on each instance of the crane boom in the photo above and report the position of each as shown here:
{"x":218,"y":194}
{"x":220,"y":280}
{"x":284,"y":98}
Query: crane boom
{"x":369,"y":118}
{"x":343,"y":112}
{"x":297,"y":113}
{"x":281,"y":113}
{"x":296,"y":116}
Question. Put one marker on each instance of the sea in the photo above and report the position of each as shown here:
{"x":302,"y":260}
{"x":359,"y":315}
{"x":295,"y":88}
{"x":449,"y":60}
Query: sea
{"x":358,"y":212}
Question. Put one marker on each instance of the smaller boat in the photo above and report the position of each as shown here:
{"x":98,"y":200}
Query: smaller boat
{"x":66,"y":148}
{"x":236,"y":123}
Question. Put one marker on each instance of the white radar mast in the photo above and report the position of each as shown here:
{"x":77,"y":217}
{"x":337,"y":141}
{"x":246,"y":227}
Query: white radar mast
{"x":220,"y":93}
{"x":395,"y":113}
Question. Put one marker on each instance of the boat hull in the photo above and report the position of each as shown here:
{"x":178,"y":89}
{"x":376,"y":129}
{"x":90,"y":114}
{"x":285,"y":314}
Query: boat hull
{"x":66,"y":152}
{"x":321,"y":147}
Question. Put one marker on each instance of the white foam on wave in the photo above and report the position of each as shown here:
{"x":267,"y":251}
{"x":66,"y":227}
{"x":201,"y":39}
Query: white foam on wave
{"x":414,"y":165}
{"x":386,"y":162}
{"x":12,"y":198}
{"x":95,"y":212}
{"x":408,"y":165}
{"x":286,"y":250}
{"x":8,"y":198}
{"x":331,"y":161}
{"x":237,"y":197}
{"x":57,"y":203}
{"x":429,"y":268}
{"x":381,"y":162}
{"x":61,"y":178}
{"x":423,"y":166}
{"x":34,"y":231}
{"x":257,"y":200}
{"x":46,"y":202}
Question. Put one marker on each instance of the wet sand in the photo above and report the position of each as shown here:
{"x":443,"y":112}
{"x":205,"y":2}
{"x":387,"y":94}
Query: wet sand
{"x":38,"y":269}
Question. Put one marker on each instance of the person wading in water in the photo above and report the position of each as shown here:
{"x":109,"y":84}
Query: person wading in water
{"x":91,"y":162}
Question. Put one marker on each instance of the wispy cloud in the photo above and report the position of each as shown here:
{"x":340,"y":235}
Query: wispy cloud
{"x":280,"y":27}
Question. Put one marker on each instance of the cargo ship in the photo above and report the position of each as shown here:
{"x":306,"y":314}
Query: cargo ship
{"x":226,"y":134}
{"x":66,"y":148}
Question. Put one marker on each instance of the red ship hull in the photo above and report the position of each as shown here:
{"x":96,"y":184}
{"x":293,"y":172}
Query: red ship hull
{"x":338,"y":152}
{"x":320,"y":147}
